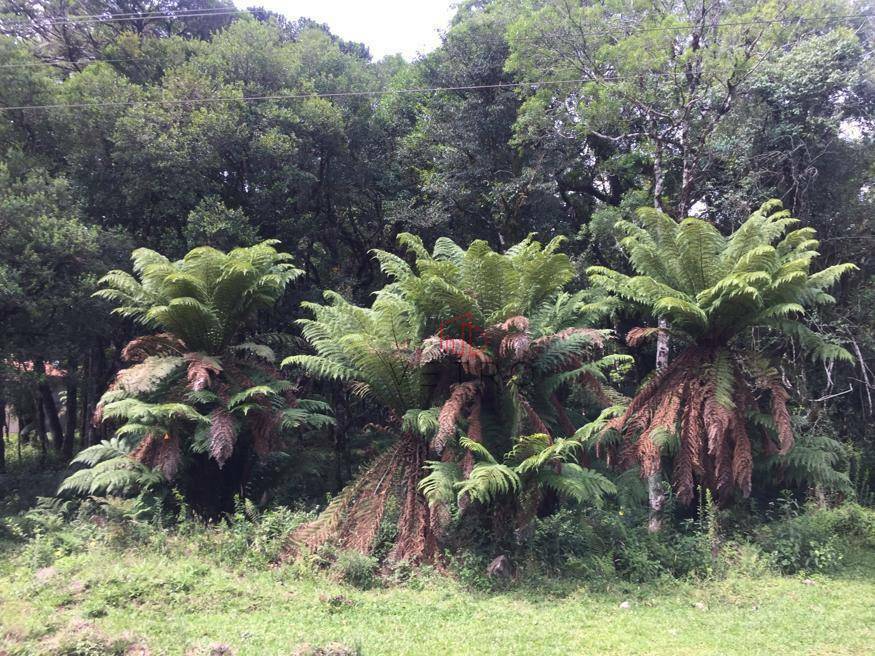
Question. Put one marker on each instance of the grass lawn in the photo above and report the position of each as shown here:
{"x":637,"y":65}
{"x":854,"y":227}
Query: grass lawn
{"x":172,"y":602}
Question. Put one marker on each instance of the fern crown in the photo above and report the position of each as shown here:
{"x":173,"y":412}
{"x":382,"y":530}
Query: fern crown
{"x":712,"y":288}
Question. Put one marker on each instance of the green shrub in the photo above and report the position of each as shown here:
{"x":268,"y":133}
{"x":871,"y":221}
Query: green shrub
{"x":469,"y":567}
{"x":640,"y":556}
{"x":817,"y":539}
{"x":565,"y":539}
{"x":256,"y":538}
{"x":356,"y":569}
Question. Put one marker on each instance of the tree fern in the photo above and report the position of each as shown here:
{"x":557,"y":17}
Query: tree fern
{"x":469,"y":349}
{"x":197,"y":387}
{"x":713,"y":290}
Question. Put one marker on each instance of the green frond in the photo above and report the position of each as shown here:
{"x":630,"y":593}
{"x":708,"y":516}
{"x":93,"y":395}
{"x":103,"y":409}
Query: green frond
{"x":814,"y":460}
{"x":109,"y":470}
{"x":414,"y":245}
{"x":140,"y":412}
{"x":576,"y":483}
{"x":296,"y":418}
{"x":421,"y":422}
{"x":439,"y":486}
{"x":561,"y":450}
{"x":320,"y":367}
{"x":106,"y":450}
{"x":831,"y":275}
{"x":591,"y":432}
{"x":721,"y":374}
{"x":816,"y":346}
{"x":714,"y":288}
{"x":392,"y":265}
{"x":488,"y":481}
{"x":667,"y":441}
{"x":251,"y":393}
{"x":446,"y":248}
{"x":314,"y":405}
{"x":205,"y":298}
{"x":261,"y":351}
{"x":477,"y":449}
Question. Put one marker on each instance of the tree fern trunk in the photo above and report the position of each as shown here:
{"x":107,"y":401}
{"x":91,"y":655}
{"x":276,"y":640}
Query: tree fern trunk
{"x":85,"y":413}
{"x":655,"y":493}
{"x":50,"y":408}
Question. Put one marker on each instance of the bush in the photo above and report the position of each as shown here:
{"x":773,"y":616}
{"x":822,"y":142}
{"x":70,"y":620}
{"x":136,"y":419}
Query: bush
{"x":355,"y":569}
{"x":603,"y":544}
{"x":817,"y":539}
{"x":565,"y":539}
{"x":257,"y":538}
{"x":469,"y":567}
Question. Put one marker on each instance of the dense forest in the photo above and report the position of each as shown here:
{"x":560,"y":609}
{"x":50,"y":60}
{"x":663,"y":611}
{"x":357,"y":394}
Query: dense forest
{"x":583,"y":253}
{"x":585,"y":293}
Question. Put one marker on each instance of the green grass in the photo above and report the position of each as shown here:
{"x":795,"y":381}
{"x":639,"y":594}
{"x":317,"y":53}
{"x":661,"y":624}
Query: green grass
{"x":176,"y":599}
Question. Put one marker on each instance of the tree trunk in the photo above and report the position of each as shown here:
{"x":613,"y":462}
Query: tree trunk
{"x":655,"y":495}
{"x":658,"y":176}
{"x":20,"y":417}
{"x":210,"y":490}
{"x":71,"y":410}
{"x":3,"y":432}
{"x":41,"y":428}
{"x":99,"y":373}
{"x":84,"y":415}
{"x":339,"y":456}
{"x":50,"y":410}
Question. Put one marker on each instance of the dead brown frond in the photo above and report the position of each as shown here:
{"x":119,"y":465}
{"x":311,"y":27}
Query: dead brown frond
{"x":636,"y":336}
{"x":473,"y":360}
{"x":514,"y":345}
{"x":201,"y":367}
{"x":781,"y":415}
{"x":461,"y":395}
{"x":518,"y":323}
{"x":340,"y":520}
{"x":265,"y":431}
{"x":353,"y":517}
{"x":595,"y":337}
{"x":701,"y":400}
{"x":223,"y":435}
{"x":140,"y":348}
{"x":416,"y":541}
{"x":160,"y":452}
{"x":536,"y":424}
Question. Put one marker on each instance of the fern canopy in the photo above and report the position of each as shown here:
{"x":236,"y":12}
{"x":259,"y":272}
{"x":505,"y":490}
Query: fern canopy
{"x":203,"y":299}
{"x":712,"y":289}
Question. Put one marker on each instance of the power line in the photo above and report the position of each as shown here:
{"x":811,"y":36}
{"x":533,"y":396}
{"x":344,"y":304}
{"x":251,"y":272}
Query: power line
{"x":304,"y":96}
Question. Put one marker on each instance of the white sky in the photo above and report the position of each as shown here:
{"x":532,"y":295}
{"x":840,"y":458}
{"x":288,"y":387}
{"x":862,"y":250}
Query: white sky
{"x":387,"y":27}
